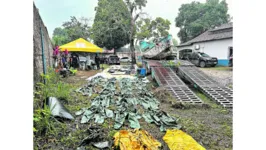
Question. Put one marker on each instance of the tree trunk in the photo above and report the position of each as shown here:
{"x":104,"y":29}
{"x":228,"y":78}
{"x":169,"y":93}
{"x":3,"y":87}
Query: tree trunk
{"x":132,"y":48}
{"x":136,"y":42}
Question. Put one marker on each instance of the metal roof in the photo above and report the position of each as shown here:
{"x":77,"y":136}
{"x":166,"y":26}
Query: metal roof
{"x":224,"y":31}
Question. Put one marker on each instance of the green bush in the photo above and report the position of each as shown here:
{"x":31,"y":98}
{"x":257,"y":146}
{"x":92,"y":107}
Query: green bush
{"x":53,"y":87}
{"x":42,"y":121}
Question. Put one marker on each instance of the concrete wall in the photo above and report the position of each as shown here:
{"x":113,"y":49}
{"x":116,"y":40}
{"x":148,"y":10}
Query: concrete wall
{"x":218,"y":48}
{"x":37,"y":47}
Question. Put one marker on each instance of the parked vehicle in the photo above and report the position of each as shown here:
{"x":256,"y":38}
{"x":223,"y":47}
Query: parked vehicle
{"x":231,"y":61}
{"x":125,"y":60}
{"x":184,"y":54}
{"x":202,"y":59}
{"x":113,"y":59}
{"x":103,"y":60}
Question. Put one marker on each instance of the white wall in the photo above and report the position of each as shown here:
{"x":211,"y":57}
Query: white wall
{"x":218,"y":48}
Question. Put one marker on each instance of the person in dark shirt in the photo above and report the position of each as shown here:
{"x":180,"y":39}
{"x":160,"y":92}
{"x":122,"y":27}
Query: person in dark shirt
{"x":64,"y":61}
{"x":97,"y":61}
{"x":74,"y":61}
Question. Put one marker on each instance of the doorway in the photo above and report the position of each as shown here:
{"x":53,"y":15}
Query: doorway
{"x":230,"y":52}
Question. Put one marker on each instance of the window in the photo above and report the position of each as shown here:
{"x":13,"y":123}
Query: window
{"x":204,"y":55}
{"x":193,"y":56}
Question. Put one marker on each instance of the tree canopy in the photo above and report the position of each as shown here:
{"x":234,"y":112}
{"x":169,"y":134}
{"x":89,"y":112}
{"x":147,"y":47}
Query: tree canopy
{"x":195,"y":18}
{"x":60,"y":36}
{"x":147,"y":28}
{"x":111,"y":24}
{"x":175,"y":43}
{"x":71,"y":30}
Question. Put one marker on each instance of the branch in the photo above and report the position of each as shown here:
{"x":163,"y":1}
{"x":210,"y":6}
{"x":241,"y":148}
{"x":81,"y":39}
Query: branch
{"x":131,"y":9}
{"x":139,"y":14}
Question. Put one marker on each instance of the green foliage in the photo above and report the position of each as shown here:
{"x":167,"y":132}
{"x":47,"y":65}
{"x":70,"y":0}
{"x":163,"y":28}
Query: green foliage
{"x":175,"y":42}
{"x":146,"y":28}
{"x":60,"y":36}
{"x":42,"y":118}
{"x":111,"y":24}
{"x":72,"y":30}
{"x":143,"y":29}
{"x":53,"y":87}
{"x":171,"y":63}
{"x":111,"y":133}
{"x":195,"y":18}
{"x":42,"y":121}
{"x":135,"y":4}
{"x":77,"y":28}
{"x":161,"y":25}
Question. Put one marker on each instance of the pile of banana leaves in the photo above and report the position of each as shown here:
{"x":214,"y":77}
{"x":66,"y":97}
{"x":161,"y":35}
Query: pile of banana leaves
{"x":121,"y":100}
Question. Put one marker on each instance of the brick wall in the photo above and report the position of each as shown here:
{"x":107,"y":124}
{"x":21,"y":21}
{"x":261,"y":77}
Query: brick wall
{"x":37,"y":45}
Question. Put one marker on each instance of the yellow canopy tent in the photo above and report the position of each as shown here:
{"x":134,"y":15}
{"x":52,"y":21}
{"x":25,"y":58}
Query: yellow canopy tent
{"x":81,"y":45}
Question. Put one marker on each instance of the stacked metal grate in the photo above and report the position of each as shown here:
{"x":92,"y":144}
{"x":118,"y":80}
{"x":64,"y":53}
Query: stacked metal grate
{"x":168,"y":79}
{"x":219,"y":93}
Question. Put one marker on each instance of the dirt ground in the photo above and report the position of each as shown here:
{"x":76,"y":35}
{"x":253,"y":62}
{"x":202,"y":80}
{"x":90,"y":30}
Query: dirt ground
{"x":209,"y":124}
{"x":224,"y":75}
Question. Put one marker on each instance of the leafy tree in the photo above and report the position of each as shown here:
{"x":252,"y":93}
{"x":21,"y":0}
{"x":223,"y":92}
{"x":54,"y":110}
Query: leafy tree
{"x":195,"y":18}
{"x":77,"y":28}
{"x":147,"y":28}
{"x":71,"y":30}
{"x":111,"y":24}
{"x":134,"y":5}
{"x":175,"y":42}
{"x":143,"y":29}
{"x":160,"y":27}
{"x":60,"y":36}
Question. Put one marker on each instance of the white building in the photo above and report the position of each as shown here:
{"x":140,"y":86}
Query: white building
{"x":217,"y":42}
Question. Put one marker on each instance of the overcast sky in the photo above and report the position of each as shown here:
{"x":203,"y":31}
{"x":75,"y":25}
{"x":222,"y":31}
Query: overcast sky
{"x":55,"y":12}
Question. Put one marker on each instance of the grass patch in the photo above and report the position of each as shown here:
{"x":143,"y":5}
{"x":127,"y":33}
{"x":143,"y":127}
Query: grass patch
{"x":105,"y":66}
{"x":209,"y":123}
{"x":206,"y":100}
{"x":111,"y":133}
{"x":222,"y":68}
{"x":49,"y":133}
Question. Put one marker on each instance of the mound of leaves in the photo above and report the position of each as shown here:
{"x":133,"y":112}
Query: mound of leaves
{"x":121,"y":100}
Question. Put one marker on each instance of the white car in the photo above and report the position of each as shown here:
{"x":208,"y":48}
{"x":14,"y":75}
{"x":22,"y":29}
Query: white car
{"x":125,"y":60}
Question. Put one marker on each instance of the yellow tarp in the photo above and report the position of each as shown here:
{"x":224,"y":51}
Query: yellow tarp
{"x":81,"y":45}
{"x":179,"y":140}
{"x":135,"y":140}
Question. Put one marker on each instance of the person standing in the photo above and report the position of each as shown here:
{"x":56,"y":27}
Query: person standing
{"x":75,"y":61}
{"x":88,"y":62}
{"x":64,"y":61}
{"x":97,"y":61}
{"x":55,"y":56}
{"x":66,"y":52}
{"x":65,"y":55}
